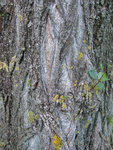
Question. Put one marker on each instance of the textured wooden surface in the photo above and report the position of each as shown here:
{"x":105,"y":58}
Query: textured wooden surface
{"x":55,"y":43}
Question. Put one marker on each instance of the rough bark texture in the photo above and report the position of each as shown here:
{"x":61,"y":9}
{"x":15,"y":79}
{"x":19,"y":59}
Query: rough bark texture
{"x":47,"y":38}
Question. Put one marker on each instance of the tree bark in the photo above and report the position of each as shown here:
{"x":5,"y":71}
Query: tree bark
{"x":49,"y":46}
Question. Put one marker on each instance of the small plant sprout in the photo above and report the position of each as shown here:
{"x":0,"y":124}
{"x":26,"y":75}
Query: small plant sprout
{"x":98,"y":79}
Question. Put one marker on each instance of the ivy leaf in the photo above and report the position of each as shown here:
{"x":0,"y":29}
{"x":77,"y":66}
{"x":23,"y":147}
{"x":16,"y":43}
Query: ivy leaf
{"x":110,"y":66}
{"x":100,"y":86}
{"x":102,"y":76}
{"x":111,"y":121}
{"x":65,"y":97}
{"x":93,"y":74}
{"x":108,"y":119}
{"x":2,"y":15}
{"x":101,"y":66}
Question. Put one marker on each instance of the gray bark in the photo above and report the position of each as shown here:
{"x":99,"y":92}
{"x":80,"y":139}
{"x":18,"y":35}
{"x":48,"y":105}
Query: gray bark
{"x":47,"y":37}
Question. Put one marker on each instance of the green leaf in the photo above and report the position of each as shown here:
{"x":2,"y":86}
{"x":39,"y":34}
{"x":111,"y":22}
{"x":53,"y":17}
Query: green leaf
{"x":111,"y":121}
{"x":108,"y":119}
{"x":110,"y":66}
{"x":65,"y":97}
{"x":102,"y":76}
{"x":93,"y":74}
{"x":101,"y":66}
{"x":2,"y":15}
{"x":100,"y":86}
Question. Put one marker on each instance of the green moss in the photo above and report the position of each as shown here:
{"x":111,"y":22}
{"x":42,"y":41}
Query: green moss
{"x":32,"y":117}
{"x":29,"y":82}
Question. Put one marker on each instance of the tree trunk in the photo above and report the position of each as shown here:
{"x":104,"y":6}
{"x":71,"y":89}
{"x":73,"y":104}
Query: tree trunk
{"x":47,"y":48}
